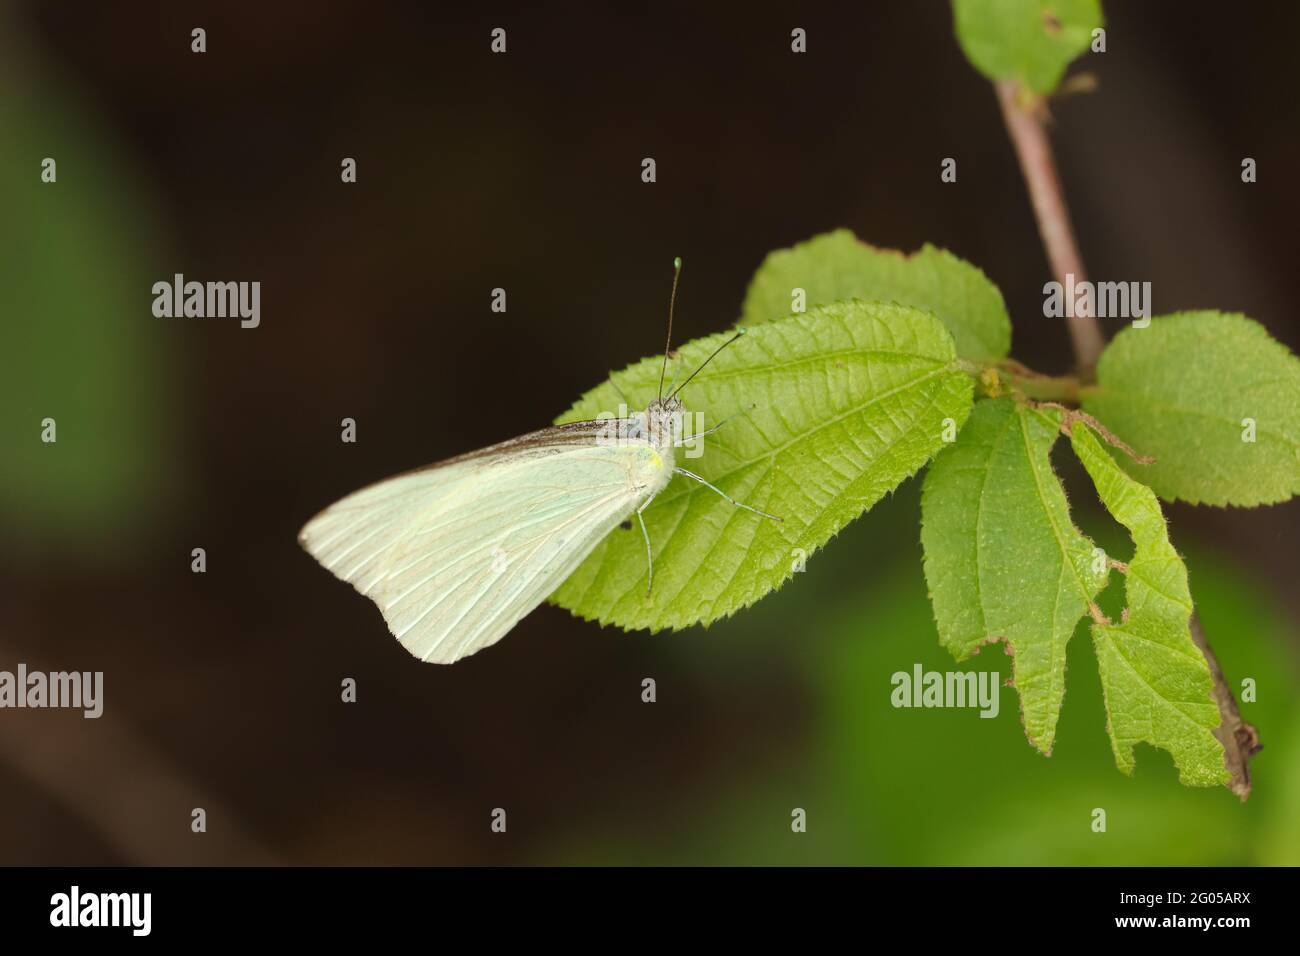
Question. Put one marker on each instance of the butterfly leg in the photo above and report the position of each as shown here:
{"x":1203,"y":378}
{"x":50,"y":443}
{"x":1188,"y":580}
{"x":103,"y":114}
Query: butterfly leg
{"x":649,"y":554}
{"x":691,"y":474}
{"x":710,"y":431}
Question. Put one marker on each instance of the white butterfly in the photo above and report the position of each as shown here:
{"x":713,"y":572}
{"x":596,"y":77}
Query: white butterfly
{"x":455,"y":554}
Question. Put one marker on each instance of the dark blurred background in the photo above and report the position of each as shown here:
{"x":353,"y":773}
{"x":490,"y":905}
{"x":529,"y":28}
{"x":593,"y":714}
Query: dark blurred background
{"x":522,"y":171}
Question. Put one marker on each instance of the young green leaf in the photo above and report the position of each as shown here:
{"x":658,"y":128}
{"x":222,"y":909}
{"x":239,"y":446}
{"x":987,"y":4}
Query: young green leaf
{"x":1155,"y":680}
{"x":825,"y":413}
{"x":1029,"y":41}
{"x":1003,"y":560}
{"x":1213,"y":399}
{"x":837,"y":265}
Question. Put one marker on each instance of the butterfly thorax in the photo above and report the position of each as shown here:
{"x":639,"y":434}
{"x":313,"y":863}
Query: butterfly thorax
{"x":663,"y":422}
{"x":658,"y":426}
{"x":651,"y":436}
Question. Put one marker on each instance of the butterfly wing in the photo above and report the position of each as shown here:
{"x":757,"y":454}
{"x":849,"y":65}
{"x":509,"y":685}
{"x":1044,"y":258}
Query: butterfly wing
{"x":486,"y":556}
{"x":354,"y":537}
{"x":454,"y":555}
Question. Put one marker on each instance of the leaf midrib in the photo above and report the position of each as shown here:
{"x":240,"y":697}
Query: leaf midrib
{"x":1051,"y":520}
{"x":744,"y":463}
{"x":777,"y":365}
{"x":686,"y":495}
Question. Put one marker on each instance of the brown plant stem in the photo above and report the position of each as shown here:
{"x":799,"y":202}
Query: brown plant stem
{"x":1025,"y":115}
{"x":1240,"y":740}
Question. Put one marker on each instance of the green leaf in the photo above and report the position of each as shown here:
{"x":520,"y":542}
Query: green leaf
{"x":836,"y":266}
{"x":1029,"y":41}
{"x":1155,"y":680}
{"x":1003,"y":560}
{"x":1187,"y":390}
{"x":832,"y":409}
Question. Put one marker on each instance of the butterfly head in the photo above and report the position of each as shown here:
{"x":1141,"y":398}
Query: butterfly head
{"x":663,"y":420}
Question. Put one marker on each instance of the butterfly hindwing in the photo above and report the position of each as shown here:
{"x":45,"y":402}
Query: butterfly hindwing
{"x":484,"y":558}
{"x":456,"y":554}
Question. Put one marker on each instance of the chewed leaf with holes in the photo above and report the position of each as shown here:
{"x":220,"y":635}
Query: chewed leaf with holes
{"x":1003,"y":559}
{"x":1213,"y":399}
{"x":1029,"y":41}
{"x":824,"y":414}
{"x":1155,"y":680}
{"x":837,"y":266}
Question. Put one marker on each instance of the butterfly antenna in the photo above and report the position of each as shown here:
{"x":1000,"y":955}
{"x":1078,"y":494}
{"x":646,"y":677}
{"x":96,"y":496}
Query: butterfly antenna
{"x":672,"y":302}
{"x":739,"y":333}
